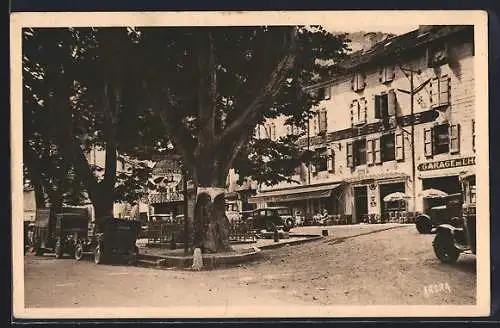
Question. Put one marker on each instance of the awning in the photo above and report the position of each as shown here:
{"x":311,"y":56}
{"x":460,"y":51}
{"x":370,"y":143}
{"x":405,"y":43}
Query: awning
{"x":377,"y":177}
{"x":287,"y":195}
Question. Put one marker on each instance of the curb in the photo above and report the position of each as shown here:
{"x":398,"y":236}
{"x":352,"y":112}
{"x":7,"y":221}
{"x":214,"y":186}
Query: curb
{"x":292,"y":242}
{"x":209,"y":261}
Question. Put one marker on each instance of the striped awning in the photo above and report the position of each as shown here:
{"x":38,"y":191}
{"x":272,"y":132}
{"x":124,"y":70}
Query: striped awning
{"x":293,"y":194}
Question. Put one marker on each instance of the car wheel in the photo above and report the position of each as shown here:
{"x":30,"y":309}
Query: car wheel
{"x":58,"y":249}
{"x":423,"y":225}
{"x":445,"y":249}
{"x":79,"y":252}
{"x":98,"y":255}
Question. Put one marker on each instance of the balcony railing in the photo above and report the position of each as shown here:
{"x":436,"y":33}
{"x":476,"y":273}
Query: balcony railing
{"x":165,"y":197}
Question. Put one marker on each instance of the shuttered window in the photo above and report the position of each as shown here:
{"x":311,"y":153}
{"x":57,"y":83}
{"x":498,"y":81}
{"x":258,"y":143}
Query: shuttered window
{"x":385,"y":105}
{"x":428,"y":142}
{"x":387,"y":74}
{"x":454,"y":138}
{"x":388,"y":152}
{"x":440,"y":91}
{"x":358,"y":82}
{"x":358,"y":111}
{"x":400,"y":155}
{"x":376,"y":151}
{"x":441,"y":139}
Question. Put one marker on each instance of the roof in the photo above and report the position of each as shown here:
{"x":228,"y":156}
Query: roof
{"x":395,"y":46}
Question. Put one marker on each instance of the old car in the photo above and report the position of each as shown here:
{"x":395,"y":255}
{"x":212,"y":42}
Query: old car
{"x":459,"y":236}
{"x":442,"y":210}
{"x":60,"y":233}
{"x":271,"y":219}
{"x":115,"y":238}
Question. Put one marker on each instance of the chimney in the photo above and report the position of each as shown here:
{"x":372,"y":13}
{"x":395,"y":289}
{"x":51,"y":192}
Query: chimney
{"x":370,"y":39}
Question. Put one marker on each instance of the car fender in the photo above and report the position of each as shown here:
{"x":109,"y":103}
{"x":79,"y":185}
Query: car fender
{"x":445,"y":228}
{"x":423,"y":216}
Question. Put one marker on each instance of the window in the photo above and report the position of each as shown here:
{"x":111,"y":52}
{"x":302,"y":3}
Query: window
{"x":320,"y":162}
{"x":437,"y":55}
{"x":271,"y":131}
{"x":387,"y":74}
{"x":385,"y":105}
{"x":388,"y":147}
{"x":441,"y":139}
{"x":473,"y":135}
{"x":321,"y":93}
{"x":358,"y":82}
{"x":359,"y":151}
{"x":440,"y":91}
{"x":358,"y":111}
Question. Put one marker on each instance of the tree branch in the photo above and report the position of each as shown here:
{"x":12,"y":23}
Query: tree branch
{"x":255,"y":109}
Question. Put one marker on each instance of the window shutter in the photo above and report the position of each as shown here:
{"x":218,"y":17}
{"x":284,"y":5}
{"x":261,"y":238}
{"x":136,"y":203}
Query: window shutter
{"x":322,"y":120}
{"x":353,"y":83}
{"x":330,"y":160}
{"x":376,"y":151}
{"x":362,"y":110}
{"x":400,"y":155}
{"x":434,"y":92}
{"x":369,"y":152}
{"x":473,"y":135}
{"x":455,"y":139}
{"x":389,"y":73}
{"x":376,"y":102}
{"x":350,"y":162}
{"x":428,"y":142}
{"x":273,"y":131}
{"x":391,"y":103}
{"x":444,"y":90}
{"x":352,"y":112}
{"x":363,"y":84}
{"x":381,"y":75}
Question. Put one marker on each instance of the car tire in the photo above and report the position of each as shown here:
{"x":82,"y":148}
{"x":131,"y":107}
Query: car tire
{"x":445,"y":249}
{"x":423,"y":225}
{"x":98,"y":254}
{"x":79,"y":251}
{"x":58,"y":249}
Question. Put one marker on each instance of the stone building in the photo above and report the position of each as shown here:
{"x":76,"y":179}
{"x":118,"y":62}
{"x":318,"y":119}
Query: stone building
{"x":363,"y":128}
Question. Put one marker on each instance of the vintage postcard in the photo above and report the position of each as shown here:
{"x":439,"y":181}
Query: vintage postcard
{"x":250,"y":164}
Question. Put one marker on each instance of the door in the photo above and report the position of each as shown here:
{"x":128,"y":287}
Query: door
{"x":360,"y":203}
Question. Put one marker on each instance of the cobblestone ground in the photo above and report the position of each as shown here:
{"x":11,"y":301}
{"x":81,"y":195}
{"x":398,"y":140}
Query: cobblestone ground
{"x":354,"y":265}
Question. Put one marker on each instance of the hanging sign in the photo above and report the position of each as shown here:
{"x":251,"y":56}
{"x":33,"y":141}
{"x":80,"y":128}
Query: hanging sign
{"x":446,"y":164}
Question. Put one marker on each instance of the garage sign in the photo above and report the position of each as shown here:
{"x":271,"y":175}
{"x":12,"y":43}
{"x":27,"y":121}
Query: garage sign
{"x":446,"y":164}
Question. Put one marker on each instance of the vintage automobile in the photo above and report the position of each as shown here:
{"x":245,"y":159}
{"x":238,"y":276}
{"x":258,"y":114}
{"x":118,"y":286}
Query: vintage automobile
{"x":271,"y":219}
{"x":114,"y":238}
{"x":459,"y":236}
{"x":445,"y":208}
{"x":60,"y":233}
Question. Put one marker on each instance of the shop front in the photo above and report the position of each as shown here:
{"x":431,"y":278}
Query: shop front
{"x":305,"y":201}
{"x":375,"y":198}
{"x":445,"y":176}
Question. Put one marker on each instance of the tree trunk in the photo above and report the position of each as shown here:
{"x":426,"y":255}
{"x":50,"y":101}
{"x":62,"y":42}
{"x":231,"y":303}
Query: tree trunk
{"x":210,"y":224}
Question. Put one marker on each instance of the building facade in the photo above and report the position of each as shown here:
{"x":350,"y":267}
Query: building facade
{"x":417,"y":87}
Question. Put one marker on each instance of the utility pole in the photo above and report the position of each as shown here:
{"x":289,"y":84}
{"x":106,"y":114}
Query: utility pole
{"x":412,"y":92}
{"x":186,"y":225}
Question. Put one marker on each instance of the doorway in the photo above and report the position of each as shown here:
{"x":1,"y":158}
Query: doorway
{"x":361,"y":203}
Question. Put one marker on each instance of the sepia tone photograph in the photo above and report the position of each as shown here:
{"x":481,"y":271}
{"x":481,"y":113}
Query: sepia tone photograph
{"x":250,"y":164}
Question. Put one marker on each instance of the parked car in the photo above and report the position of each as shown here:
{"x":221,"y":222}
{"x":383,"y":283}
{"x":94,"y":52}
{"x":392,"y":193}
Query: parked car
{"x":114,"y":239}
{"x":271,"y":219}
{"x":59,"y":233}
{"x":449,"y":206}
{"x":457,"y":237}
